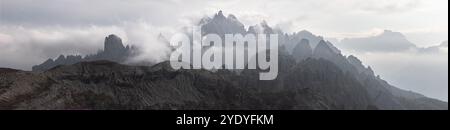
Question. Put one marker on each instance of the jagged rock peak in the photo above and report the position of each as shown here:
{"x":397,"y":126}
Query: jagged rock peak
{"x":389,"y":34}
{"x":323,"y":50}
{"x":221,"y":25}
{"x":113,"y":37}
{"x":261,"y":28}
{"x":204,"y":20}
{"x":113,"y":43}
{"x":219,"y":15}
{"x":370,"y":69}
{"x":304,"y":41}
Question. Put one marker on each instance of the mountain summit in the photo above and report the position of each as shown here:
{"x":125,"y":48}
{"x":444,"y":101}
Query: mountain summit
{"x":113,"y":44}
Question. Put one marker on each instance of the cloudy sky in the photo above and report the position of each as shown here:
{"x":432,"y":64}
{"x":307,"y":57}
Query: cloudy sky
{"x":32,"y":31}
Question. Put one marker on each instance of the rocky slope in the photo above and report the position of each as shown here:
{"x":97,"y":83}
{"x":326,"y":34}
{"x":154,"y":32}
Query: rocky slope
{"x":311,"y":84}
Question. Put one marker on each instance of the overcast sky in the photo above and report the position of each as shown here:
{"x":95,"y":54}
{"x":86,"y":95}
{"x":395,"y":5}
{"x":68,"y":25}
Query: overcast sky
{"x":32,"y":31}
{"x":425,"y":22}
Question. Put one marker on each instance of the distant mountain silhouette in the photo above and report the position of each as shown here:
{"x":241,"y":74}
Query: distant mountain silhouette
{"x":293,"y":48}
{"x":302,"y":50}
{"x":388,"y":41}
{"x":114,"y":50}
{"x":444,"y":44}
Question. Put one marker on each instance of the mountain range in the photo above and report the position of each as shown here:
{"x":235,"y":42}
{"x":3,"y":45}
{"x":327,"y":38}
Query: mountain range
{"x":387,"y":41}
{"x":114,"y":50}
{"x":313,"y":75}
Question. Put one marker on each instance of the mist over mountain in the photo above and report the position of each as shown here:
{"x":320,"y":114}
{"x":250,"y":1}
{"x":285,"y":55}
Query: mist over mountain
{"x":388,"y":41}
{"x":114,"y":50}
{"x":314,"y":74}
{"x":402,"y":63}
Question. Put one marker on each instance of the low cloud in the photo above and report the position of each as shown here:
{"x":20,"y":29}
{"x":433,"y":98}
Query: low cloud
{"x":32,"y":31}
{"x":388,"y":6}
{"x":22,"y":47}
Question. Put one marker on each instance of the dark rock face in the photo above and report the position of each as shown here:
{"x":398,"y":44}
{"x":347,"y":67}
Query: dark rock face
{"x":291,"y":40}
{"x":113,"y":45}
{"x":114,"y":50}
{"x":222,"y":25}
